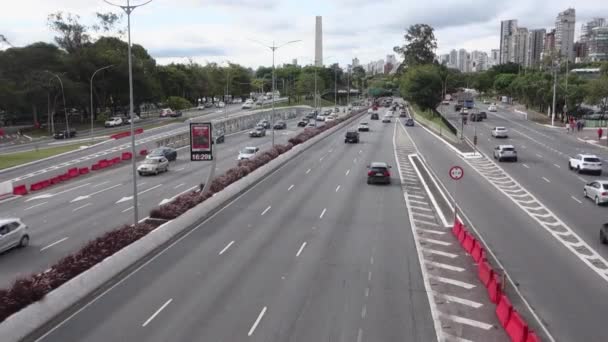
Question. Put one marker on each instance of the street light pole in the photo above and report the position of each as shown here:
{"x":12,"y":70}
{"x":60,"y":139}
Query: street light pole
{"x":348,"y":88}
{"x":335,"y":87}
{"x":554,"y":95}
{"x":128,"y":9}
{"x":65,"y":109}
{"x":91,"y":84}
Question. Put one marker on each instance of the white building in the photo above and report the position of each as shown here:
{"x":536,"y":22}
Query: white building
{"x":355,"y":62}
{"x":463,"y":59}
{"x":536,"y":41}
{"x":479,"y":61}
{"x":508,"y":28}
{"x":520,"y":46}
{"x":564,"y":33}
{"x":494,"y":58}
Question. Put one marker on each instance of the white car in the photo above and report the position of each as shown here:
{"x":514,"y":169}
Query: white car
{"x":200,"y":107}
{"x":597,"y":191}
{"x":135,"y":119}
{"x":387,"y":118}
{"x":500,"y":132}
{"x":154,"y":165}
{"x":13,"y":233}
{"x":166,"y":112}
{"x":505,"y":152}
{"x":330,"y":119}
{"x":248,"y":153}
{"x":220,"y":104}
{"x":492,"y":108}
{"x":247,"y":105}
{"x":113,"y":122}
{"x":585,"y":163}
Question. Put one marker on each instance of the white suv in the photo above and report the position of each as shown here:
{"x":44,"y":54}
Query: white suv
{"x":13,"y":233}
{"x":500,"y":132}
{"x":586,"y":163}
{"x":505,"y":152}
{"x":113,"y":122}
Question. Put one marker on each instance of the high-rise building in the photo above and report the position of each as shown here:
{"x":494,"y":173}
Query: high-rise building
{"x":536,"y":41}
{"x":294,"y":62}
{"x":494,"y":58}
{"x":581,"y":48}
{"x":479,"y":61}
{"x":462,"y":60}
{"x":564,"y":33}
{"x":356,"y":62}
{"x":508,"y":28}
{"x":598,"y":44}
{"x":453,"y":63}
{"x":319,"y":41}
{"x":444,"y":59}
{"x":391,"y":59}
{"x":549,"y":42}
{"x":590,"y":25}
{"x":519,"y":46}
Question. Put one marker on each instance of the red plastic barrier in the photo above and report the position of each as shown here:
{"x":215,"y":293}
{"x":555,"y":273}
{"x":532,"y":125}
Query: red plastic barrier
{"x":95,"y":167}
{"x":55,"y":180}
{"x":120,"y":135}
{"x":83,"y":170}
{"x":478,"y":253}
{"x":484,"y":271}
{"x":64,"y":177}
{"x":73,"y":172}
{"x":35,"y":187}
{"x":494,"y":291}
{"x":468,"y":243}
{"x":532,"y":337}
{"x":115,"y":160}
{"x":46,"y":183}
{"x":457,"y":227}
{"x":516,"y":328}
{"x":143,"y":152}
{"x":20,"y":190}
{"x":463,"y":234}
{"x":503,"y":310}
{"x":139,"y":131}
{"x":126,"y":155}
{"x":103,"y":163}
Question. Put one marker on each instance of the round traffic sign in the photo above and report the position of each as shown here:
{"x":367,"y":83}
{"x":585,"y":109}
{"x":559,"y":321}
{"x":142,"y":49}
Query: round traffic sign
{"x":456,"y":172}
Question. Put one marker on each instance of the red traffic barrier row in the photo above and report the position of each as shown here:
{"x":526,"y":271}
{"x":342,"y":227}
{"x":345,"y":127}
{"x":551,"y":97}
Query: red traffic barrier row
{"x":71,"y":173}
{"x":515,"y":326}
{"x":126,"y":134}
{"x":20,"y":190}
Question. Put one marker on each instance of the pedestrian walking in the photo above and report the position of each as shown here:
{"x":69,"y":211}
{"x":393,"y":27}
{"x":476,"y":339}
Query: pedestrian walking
{"x":567,"y":128}
{"x":600,"y":133}
{"x":579,"y":125}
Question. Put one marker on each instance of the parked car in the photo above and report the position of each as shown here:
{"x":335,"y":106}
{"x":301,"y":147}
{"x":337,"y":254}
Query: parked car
{"x":208,"y":104}
{"x":363,"y":127}
{"x":311,"y":124}
{"x":248,"y":104}
{"x":248,"y":153}
{"x":136,"y":118}
{"x":257,"y":132}
{"x":303,"y":122}
{"x":505,"y":152}
{"x":167,"y":152}
{"x":492,"y":108}
{"x":378,"y":173}
{"x":597,"y":191}
{"x":375,"y":116}
{"x":409,"y":122}
{"x":330,"y":118}
{"x":585,"y":163}
{"x":280,"y":125}
{"x":153,"y":165}
{"x":604,"y":234}
{"x":64,"y":134}
{"x":200,"y":107}
{"x":220,"y":104}
{"x":351,"y":137}
{"x":311,"y":115}
{"x":500,"y":132}
{"x":113,"y":122}
{"x":13,"y":233}
{"x":320,"y":118}
{"x":165,"y":112}
{"x":219,"y":137}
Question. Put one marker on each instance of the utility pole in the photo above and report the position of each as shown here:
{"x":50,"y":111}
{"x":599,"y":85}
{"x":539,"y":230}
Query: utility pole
{"x":335,"y":86}
{"x":91,"y":88}
{"x":554,"y":94}
{"x":65,"y":109}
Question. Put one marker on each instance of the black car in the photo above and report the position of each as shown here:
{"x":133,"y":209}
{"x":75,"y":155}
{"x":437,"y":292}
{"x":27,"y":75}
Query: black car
{"x":483,"y":115}
{"x":167,"y":152}
{"x":476,"y":117}
{"x":378,"y":173}
{"x":265,"y":124}
{"x":280,"y":125}
{"x":375,"y":116}
{"x":64,"y":135}
{"x":604,"y":234}
{"x":351,"y":137}
{"x":409,"y":122}
{"x":303,"y":122}
{"x":176,"y":114}
{"x":311,"y":115}
{"x":258,"y":131}
{"x":219,"y":137}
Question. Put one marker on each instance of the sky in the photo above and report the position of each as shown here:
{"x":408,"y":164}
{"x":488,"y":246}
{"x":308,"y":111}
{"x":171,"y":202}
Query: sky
{"x":239,"y":31}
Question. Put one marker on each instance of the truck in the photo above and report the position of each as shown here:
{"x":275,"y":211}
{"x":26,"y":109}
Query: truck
{"x":465,"y":100}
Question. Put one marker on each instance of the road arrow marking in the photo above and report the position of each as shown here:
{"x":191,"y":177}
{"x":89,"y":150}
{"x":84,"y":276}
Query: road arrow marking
{"x":80,"y":198}
{"x":49,"y":195}
{"x":164,"y":201}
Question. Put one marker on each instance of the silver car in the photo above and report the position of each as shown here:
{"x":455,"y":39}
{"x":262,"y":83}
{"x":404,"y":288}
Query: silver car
{"x":13,"y":233}
{"x":154,"y":165}
{"x":597,"y":191}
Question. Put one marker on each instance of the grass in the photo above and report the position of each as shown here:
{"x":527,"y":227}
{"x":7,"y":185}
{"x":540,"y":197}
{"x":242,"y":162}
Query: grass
{"x":433,"y":121}
{"x":14,"y":159}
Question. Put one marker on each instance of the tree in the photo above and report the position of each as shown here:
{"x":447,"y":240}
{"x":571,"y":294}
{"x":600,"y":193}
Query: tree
{"x":305,"y":84}
{"x":72,"y":35}
{"x":507,"y":68}
{"x":178,"y":103}
{"x":503,"y":82}
{"x":597,"y":92}
{"x":358,"y":76}
{"x":422,"y":85}
{"x":420,"y":45}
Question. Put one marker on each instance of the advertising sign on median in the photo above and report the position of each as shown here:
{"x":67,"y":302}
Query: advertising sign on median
{"x":201,"y":147}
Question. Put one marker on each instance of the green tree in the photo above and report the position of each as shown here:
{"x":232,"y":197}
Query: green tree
{"x":422,"y":85}
{"x":178,"y":103}
{"x":503,"y":82}
{"x":597,"y":92}
{"x":419,"y":47}
{"x":507,"y":68}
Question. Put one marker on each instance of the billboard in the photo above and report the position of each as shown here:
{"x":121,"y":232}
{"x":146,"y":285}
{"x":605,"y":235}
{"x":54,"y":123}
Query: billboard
{"x":201,"y":147}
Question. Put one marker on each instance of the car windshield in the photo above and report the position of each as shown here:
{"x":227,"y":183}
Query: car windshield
{"x":591,"y":160}
{"x":157,"y":153}
{"x":510,"y":149}
{"x":151,"y":161}
{"x":248,"y":150}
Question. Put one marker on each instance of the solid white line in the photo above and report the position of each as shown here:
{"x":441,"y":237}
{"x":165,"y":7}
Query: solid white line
{"x":180,"y":169}
{"x":369,"y":276}
{"x":526,"y":166}
{"x":34,"y":206}
{"x":141,"y":184}
{"x":290,"y":187}
{"x":453,"y":282}
{"x":557,"y":166}
{"x":364,"y":311}
{"x":415,"y":196}
{"x":226,"y":248}
{"x":546,"y":180}
{"x":576,"y":199}
{"x":300,"y":250}
{"x":367,"y":292}
{"x":470,"y":322}
{"x":458,"y":300}
{"x":430,"y":231}
{"x":82,"y":206}
{"x":347,"y":172}
{"x":179,"y":185}
{"x":266,"y":210}
{"x":323,"y":213}
{"x":129,"y":208}
{"x":360,"y":335}
{"x":445,"y":254}
{"x":308,"y":171}
{"x":444,"y":266}
{"x":582,"y":179}
{"x":257,"y":321}
{"x":152,"y":188}
{"x":337,"y":188}
{"x":157,"y":312}
{"x":53,"y":244}
{"x":100,"y":184}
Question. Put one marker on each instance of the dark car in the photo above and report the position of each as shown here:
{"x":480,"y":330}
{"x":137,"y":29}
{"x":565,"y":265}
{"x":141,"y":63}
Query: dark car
{"x":604,"y":234}
{"x":403,"y":114}
{"x":409,"y":122}
{"x":64,"y":134}
{"x":378,"y":173}
{"x":483,"y":115}
{"x":219,"y":137}
{"x":303,"y":122}
{"x":311,"y":115}
{"x":176,"y":114}
{"x":375,"y":116}
{"x":476,"y":117}
{"x":351,"y":137}
{"x":167,"y":152}
{"x":265,"y":124}
{"x":280,"y":125}
{"x":257,"y":132}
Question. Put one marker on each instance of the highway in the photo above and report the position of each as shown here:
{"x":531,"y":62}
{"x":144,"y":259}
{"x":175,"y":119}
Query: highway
{"x":64,"y":217}
{"x":557,"y":282}
{"x":311,"y":253}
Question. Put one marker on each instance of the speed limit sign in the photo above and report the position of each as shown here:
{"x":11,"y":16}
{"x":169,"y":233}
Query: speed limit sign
{"x":456,"y":172}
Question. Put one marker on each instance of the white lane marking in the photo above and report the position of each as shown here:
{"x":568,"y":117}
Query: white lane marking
{"x":576,"y":199}
{"x":371,"y":260}
{"x":369,"y":276}
{"x":458,"y":300}
{"x":557,"y":166}
{"x":100,"y":184}
{"x":82,"y":206}
{"x":157,"y":312}
{"x":360,"y":335}
{"x":266,"y":210}
{"x":347,"y":172}
{"x":364,"y":311}
{"x":49,"y":195}
{"x":424,"y":215}
{"x":257,"y":321}
{"x":226,"y":248}
{"x":141,"y":184}
{"x":308,"y":171}
{"x":452,"y":282}
{"x":470,"y":322}
{"x":415,"y":196}
{"x":337,"y":188}
{"x":539,"y":156}
{"x":444,"y":266}
{"x":53,"y":244}
{"x":330,"y":150}
{"x":322,"y":213}
{"x":180,"y":169}
{"x":425,"y":222}
{"x":127,"y":198}
{"x":290,"y":187}
{"x":34,"y":206}
{"x":582,"y":179}
{"x":129,"y":208}
{"x":546,"y":180}
{"x":419,"y":202}
{"x":355,"y":160}
{"x":526,"y":166}
{"x":367,"y":292}
{"x":430,"y":231}
{"x":442,"y":253}
{"x":300,"y":250}
{"x":79,"y":198}
{"x":421,"y":208}
{"x":321,"y":159}
{"x":360,"y":151}
{"x":179,"y":185}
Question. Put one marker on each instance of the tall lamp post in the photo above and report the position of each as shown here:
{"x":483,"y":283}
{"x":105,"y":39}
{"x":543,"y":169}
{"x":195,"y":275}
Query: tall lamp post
{"x":91,"y":84}
{"x":128,"y":9}
{"x":65,"y":109}
{"x":274,"y":48}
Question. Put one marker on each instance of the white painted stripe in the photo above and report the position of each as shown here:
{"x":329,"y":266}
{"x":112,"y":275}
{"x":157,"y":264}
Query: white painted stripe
{"x":82,"y":206}
{"x":419,"y":202}
{"x":323,"y":213}
{"x":458,"y":300}
{"x":369,"y":276}
{"x":347,"y":172}
{"x":308,"y":171}
{"x":53,"y":244}
{"x":576,"y":199}
{"x":546,"y":180}
{"x":539,"y":156}
{"x":436,"y":242}
{"x":415,"y":196}
{"x":452,"y":282}
{"x":367,"y":292}
{"x":290,"y":187}
{"x":180,"y":169}
{"x":423,"y":215}
{"x":420,"y":208}
{"x":34,"y":206}
{"x":129,"y":208}
{"x":582,"y":179}
{"x":266,"y":210}
{"x":526,"y":166}
{"x":157,"y":312}
{"x":444,"y":266}
{"x":557,"y":166}
{"x":430,"y":231}
{"x":364,"y":311}
{"x":442,"y":253}
{"x":100,"y":184}
{"x":300,"y":250}
{"x":360,"y":335}
{"x":226,"y":248}
{"x":337,"y":188}
{"x":426,"y":222}
{"x":257,"y":321}
{"x":470,"y":322}
{"x":179,"y":185}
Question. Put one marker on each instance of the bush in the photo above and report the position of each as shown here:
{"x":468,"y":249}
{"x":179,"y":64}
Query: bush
{"x":178,"y":103}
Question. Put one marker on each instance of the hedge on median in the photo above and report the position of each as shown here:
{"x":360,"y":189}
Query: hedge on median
{"x":29,"y":289}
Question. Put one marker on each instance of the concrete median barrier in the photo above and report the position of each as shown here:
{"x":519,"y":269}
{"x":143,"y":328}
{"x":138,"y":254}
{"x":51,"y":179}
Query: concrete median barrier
{"x":6,"y":188}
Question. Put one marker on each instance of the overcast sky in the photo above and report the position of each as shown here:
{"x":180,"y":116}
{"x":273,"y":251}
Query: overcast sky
{"x":220,"y":30}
